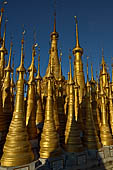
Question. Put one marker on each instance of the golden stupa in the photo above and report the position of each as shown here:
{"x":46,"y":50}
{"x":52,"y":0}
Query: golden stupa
{"x":17,"y":150}
{"x":62,"y":115}
{"x":49,"y":144}
{"x":72,"y":133}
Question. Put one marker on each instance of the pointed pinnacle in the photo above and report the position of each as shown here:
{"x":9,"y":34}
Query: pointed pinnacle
{"x":55,"y":21}
{"x":77,"y":39}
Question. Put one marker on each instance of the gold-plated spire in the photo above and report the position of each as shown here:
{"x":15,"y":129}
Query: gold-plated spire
{"x":60,"y":68}
{"x":20,"y":150}
{"x":105,"y":135}
{"x":70,"y":79}
{"x":77,"y":47}
{"x":12,"y":85}
{"x":61,"y":114}
{"x":76,"y":87}
{"x":72,"y":133}
{"x":92,"y":77}
{"x":1,"y":16}
{"x":31,"y":105}
{"x":78,"y":66}
{"x":33,"y":55}
{"x":39,"y":109}
{"x":3,"y":52}
{"x":3,"y":123}
{"x":56,"y":118}
{"x":6,"y":96}
{"x":38,"y":77}
{"x":30,"y":102}
{"x":77,"y":40}
{"x":21,"y":67}
{"x":49,"y":144}
{"x":91,"y":140}
{"x":111,"y":109}
{"x":53,"y":58}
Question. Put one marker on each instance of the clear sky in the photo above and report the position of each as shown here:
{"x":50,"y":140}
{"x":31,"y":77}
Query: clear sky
{"x":95,"y":21}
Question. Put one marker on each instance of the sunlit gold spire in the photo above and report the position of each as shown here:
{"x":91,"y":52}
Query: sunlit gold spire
{"x":77,"y":40}
{"x":39,"y":108}
{"x":111,"y":108}
{"x":103,"y":62}
{"x":53,"y":58}
{"x":77,"y":47}
{"x":49,"y":144}
{"x":21,"y":67}
{"x":6,"y":96}
{"x":38,"y":77}
{"x":70,"y":79}
{"x":31,"y":105}
{"x":91,"y":140}
{"x":8,"y":68}
{"x":3,"y":52}
{"x":60,"y":68}
{"x":12,"y":85}
{"x":72,"y":132}
{"x":20,"y":150}
{"x":92,"y":78}
{"x":54,"y":34}
{"x":2,"y":10}
{"x":33,"y":55}
{"x":103,"y":73}
{"x":76,"y":87}
{"x":56,"y":118}
{"x":105,"y":134}
{"x":78,"y":66}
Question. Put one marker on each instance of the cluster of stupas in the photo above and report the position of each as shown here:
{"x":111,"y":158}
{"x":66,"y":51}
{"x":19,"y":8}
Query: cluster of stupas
{"x":64,"y":115}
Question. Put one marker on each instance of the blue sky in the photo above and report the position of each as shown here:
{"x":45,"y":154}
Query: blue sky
{"x":95,"y":21}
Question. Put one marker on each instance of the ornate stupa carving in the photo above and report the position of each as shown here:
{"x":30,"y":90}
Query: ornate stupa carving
{"x":72,"y":133}
{"x":6,"y":95}
{"x":17,"y":143}
{"x":78,"y":66}
{"x":31,"y":102}
{"x":49,"y":144}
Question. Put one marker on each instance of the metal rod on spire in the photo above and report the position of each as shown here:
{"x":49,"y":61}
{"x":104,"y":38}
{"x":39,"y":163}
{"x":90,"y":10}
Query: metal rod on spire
{"x":55,"y":16}
{"x":87,"y":70}
{"x":77,"y":39}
